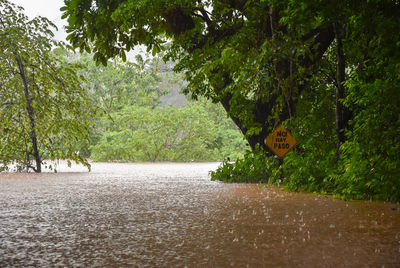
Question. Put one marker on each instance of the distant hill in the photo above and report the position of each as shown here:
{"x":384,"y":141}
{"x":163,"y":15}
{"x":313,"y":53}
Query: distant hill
{"x":174,"y":83}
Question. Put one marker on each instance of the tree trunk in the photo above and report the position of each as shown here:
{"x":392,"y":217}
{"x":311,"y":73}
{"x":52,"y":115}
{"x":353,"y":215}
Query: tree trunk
{"x":342,"y":113}
{"x":31,"y":115}
{"x":261,"y":114}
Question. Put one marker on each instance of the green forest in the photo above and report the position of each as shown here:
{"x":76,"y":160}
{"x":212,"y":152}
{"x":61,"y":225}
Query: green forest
{"x":327,"y":71}
{"x":138,"y":123}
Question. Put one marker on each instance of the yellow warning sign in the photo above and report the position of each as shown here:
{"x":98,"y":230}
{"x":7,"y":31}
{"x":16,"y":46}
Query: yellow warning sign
{"x":280,"y":141}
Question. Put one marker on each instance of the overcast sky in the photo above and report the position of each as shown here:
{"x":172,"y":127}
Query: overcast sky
{"x":45,"y":8}
{"x":51,"y":10}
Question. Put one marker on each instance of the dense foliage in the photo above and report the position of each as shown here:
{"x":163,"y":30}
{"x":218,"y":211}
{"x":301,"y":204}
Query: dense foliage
{"x":44,"y":111}
{"x":164,"y":134}
{"x":254,"y":167}
{"x":329,"y":71}
{"x":369,"y":165}
{"x":136,"y":124}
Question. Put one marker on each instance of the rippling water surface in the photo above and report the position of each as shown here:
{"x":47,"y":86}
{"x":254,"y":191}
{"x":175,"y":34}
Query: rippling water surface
{"x":172,"y":215}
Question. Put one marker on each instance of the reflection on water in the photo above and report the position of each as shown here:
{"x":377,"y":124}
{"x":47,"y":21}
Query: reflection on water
{"x":163,"y":215}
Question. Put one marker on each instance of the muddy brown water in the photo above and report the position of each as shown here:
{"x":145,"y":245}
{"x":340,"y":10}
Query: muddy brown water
{"x":172,"y":215}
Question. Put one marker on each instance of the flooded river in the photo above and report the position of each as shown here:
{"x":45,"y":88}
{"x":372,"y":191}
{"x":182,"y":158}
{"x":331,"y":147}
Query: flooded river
{"x":172,"y":215}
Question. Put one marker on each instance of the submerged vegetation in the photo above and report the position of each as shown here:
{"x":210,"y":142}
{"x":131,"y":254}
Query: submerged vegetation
{"x":44,"y":109}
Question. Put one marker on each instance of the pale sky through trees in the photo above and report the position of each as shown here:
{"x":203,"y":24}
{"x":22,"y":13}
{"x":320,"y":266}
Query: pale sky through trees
{"x":51,"y":10}
{"x":45,"y":8}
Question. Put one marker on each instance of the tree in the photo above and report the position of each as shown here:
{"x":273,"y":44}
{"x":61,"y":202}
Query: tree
{"x":43,"y":108}
{"x":371,"y":154}
{"x":165,"y":133}
{"x":231,"y":51}
{"x":121,"y":83}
